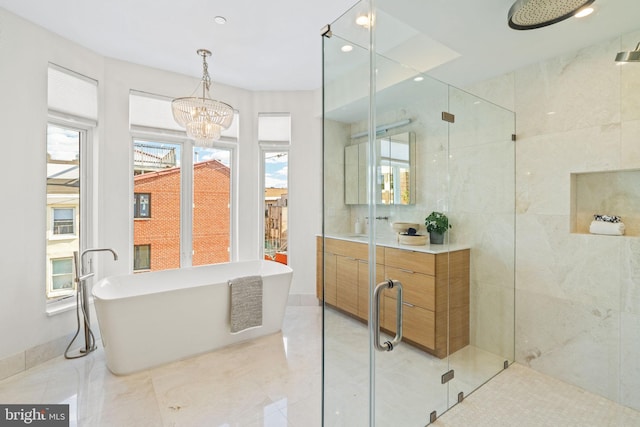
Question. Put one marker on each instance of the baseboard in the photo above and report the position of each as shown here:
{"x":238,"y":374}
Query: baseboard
{"x":35,"y":356}
{"x":302,"y":300}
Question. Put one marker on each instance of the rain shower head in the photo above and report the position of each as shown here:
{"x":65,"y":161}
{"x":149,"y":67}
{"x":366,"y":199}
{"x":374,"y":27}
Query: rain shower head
{"x":530,"y":14}
{"x":632,"y":56}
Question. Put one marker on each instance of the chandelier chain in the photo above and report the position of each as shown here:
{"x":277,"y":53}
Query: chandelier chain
{"x":206,"y":79}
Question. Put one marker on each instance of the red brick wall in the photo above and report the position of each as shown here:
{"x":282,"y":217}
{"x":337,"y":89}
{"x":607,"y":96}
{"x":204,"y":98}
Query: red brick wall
{"x":211,"y":220}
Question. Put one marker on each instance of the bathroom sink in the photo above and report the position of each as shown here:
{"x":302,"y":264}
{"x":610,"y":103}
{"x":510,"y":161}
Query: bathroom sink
{"x":356,"y":236}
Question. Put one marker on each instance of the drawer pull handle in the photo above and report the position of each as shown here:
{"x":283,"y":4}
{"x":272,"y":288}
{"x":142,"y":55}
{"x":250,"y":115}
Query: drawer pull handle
{"x":407,"y":271}
{"x":407,"y":304}
{"x":387,"y":345}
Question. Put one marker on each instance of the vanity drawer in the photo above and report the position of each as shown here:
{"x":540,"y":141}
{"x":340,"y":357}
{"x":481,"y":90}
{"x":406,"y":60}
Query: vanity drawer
{"x":419,"y":262}
{"x":417,"y":289}
{"x":418,"y":324}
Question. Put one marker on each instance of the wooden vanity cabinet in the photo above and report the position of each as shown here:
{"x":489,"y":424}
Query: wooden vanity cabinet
{"x":328,"y":275}
{"x":347,"y":270}
{"x":433,"y":285}
{"x":363,"y":284}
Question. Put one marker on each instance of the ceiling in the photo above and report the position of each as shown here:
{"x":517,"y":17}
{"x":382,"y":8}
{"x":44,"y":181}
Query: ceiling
{"x":276,"y":44}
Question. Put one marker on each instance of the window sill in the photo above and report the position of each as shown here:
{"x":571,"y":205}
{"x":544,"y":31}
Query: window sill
{"x":63,"y":306}
{"x":63,"y":237}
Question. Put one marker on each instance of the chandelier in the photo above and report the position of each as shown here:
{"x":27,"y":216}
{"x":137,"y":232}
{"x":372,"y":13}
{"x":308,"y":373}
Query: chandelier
{"x":203,"y":118}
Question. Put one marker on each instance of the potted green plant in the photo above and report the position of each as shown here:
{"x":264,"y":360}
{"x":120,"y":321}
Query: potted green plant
{"x":437,"y":224}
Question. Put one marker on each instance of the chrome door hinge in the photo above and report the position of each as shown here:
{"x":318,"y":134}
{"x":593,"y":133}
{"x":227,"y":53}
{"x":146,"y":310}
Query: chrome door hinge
{"x":432,"y":417}
{"x":513,"y":136}
{"x":447,"y":376}
{"x":326,"y":31}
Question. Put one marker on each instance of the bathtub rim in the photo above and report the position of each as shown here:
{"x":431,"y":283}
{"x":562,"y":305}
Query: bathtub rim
{"x":114,"y":280}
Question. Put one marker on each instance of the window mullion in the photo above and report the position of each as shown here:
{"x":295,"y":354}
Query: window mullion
{"x":186,"y":206}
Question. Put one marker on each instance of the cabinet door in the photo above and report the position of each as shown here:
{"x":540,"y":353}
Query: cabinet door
{"x":418,"y":324}
{"x":330,"y":282}
{"x":363,"y":286}
{"x":347,"y":284}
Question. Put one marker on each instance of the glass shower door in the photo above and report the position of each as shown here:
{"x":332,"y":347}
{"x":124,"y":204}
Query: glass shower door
{"x":399,"y":145}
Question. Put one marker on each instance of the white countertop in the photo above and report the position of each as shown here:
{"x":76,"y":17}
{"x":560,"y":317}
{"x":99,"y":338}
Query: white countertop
{"x":393,"y":243}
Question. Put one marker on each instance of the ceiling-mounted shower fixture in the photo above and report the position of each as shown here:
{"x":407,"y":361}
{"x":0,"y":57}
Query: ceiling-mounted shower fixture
{"x":531,"y":14}
{"x":632,"y":56}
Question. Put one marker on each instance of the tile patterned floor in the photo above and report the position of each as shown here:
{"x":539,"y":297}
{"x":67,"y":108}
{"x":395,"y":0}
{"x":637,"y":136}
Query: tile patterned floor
{"x":275,"y":381}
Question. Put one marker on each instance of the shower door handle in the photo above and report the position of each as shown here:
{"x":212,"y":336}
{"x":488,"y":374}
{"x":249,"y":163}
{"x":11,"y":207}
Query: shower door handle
{"x":387,"y":345}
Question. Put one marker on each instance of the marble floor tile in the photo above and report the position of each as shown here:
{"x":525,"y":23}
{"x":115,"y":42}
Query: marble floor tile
{"x":276,"y":381}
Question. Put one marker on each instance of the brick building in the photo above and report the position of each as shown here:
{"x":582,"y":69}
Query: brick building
{"x":157,"y":217}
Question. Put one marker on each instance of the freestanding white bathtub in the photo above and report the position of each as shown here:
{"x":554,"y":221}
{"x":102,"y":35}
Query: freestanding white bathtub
{"x":153,"y":318}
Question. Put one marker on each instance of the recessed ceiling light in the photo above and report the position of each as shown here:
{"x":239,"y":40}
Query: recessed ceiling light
{"x":220,"y":20}
{"x":362,"y":20}
{"x":346,"y":48}
{"x":418,"y":79}
{"x":584,"y":12}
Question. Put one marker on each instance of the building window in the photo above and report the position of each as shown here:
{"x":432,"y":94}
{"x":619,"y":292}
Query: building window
{"x":142,"y":257}
{"x":142,"y":205}
{"x":61,"y":275}
{"x":63,"y":221}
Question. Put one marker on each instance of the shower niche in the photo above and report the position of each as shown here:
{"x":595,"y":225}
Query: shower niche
{"x":615,"y":192}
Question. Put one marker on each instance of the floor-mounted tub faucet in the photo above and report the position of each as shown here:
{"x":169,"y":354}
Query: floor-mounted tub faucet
{"x":82,"y":300}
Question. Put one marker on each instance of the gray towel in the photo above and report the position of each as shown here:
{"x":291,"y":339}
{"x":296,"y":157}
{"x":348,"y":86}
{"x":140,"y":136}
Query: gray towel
{"x":246,"y":303}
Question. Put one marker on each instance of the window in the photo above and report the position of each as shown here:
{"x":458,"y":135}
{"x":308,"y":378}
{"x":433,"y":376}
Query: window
{"x":63,"y":221}
{"x":142,"y":205}
{"x":63,"y":204}
{"x":157,"y":175}
{"x":142,"y":257}
{"x":274,"y":134}
{"x":61,"y":276}
{"x":191,"y":188}
{"x":211,"y":216}
{"x":72,"y":101}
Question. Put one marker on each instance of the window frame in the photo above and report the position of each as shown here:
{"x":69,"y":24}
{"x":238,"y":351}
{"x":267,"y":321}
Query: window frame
{"x":84,"y":217}
{"x":157,"y":135}
{"x":264,"y":150}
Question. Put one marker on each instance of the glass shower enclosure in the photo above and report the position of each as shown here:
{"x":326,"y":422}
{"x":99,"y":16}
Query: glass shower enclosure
{"x":411,"y":327}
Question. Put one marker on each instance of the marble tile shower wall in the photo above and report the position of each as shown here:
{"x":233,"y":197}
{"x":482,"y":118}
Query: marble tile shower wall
{"x":577,"y":295}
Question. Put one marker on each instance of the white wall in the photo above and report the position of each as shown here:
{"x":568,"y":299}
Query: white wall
{"x":25,"y":51}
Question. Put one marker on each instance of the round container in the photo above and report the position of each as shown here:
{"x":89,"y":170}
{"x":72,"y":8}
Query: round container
{"x":415,"y":240}
{"x":402,"y":227}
